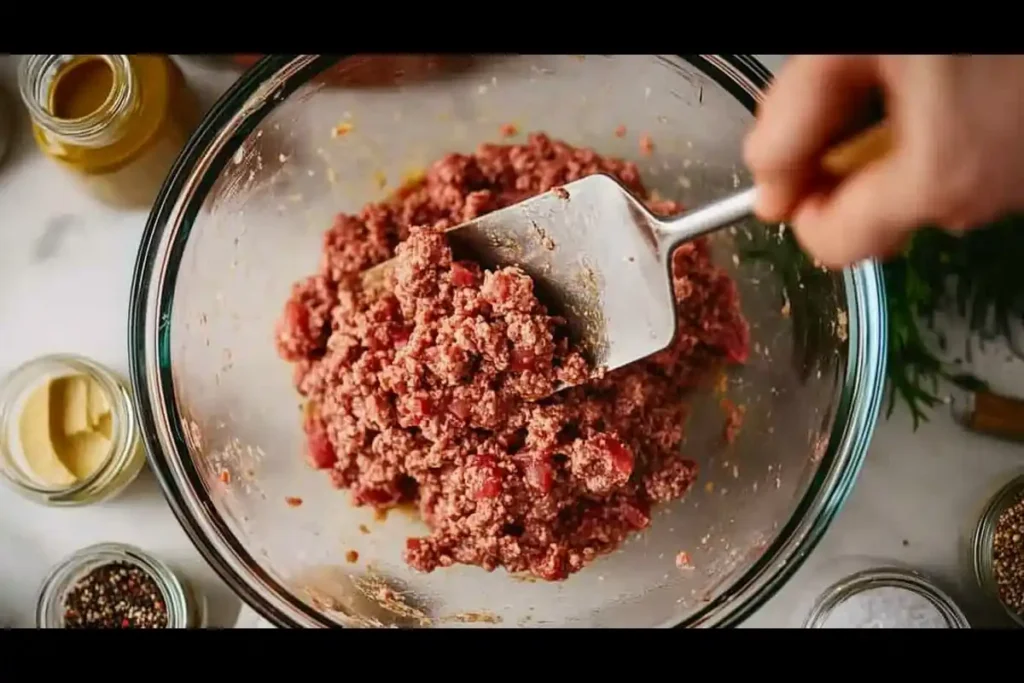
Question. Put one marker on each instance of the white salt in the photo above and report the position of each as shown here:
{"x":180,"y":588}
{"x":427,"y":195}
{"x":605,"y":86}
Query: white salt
{"x":886,"y":607}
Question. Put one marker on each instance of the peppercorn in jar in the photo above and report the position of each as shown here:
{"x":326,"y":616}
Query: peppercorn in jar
{"x":997,"y":549}
{"x":117,"y":586}
{"x":117,"y":121}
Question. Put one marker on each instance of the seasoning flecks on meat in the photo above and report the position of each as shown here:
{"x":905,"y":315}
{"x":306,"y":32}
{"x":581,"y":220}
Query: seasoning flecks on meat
{"x":439,"y":390}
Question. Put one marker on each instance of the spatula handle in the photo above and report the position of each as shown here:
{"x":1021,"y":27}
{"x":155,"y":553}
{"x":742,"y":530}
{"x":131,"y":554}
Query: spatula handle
{"x":840,"y":161}
{"x":859,"y":151}
{"x":992,"y":414}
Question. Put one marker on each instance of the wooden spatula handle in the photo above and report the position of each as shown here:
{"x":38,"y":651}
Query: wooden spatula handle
{"x":857,"y":152}
{"x":993,"y":414}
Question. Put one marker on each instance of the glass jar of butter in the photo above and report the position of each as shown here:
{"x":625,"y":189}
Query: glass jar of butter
{"x":68,"y":431}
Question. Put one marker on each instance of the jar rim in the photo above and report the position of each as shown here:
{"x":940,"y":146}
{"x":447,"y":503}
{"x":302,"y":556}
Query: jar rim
{"x":124,"y":435}
{"x":884,"y":577}
{"x":66,"y":573}
{"x":34,"y":82}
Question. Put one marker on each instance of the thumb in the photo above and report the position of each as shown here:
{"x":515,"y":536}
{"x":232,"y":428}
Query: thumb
{"x":869,"y":214}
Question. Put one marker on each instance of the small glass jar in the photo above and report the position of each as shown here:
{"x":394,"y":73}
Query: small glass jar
{"x":117,"y":121}
{"x":899,"y":584}
{"x":185,"y":607}
{"x":981,"y":545}
{"x":823,"y":596}
{"x":121,"y":465}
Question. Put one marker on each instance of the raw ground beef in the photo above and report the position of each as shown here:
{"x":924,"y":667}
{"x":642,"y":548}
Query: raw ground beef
{"x":438,"y":392}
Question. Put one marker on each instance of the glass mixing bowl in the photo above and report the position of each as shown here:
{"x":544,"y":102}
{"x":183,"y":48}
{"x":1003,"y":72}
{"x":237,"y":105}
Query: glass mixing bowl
{"x":240,"y":219}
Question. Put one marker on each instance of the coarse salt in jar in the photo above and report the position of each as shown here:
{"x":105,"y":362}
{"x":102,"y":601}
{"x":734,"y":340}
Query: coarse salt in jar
{"x":68,"y":431}
{"x":885,"y":597}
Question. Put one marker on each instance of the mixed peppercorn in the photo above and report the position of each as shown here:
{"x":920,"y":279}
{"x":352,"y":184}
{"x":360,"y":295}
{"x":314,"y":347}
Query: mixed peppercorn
{"x":1008,"y":556}
{"x":115,"y":595}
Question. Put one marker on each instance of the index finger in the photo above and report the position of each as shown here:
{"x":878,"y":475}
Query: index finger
{"x":814,"y":100}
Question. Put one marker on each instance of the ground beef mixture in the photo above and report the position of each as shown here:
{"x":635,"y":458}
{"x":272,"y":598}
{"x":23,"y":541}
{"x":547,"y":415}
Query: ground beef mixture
{"x":438,"y":392}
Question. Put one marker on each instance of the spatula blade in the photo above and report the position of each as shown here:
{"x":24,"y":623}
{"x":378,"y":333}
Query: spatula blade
{"x":590,"y":247}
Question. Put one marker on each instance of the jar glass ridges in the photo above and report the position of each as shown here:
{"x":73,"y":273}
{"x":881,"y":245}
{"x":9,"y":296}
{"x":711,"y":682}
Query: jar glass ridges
{"x":118,"y":468}
{"x":101,"y":127}
{"x":901,"y":584}
{"x":185,"y":607}
{"x":983,"y":540}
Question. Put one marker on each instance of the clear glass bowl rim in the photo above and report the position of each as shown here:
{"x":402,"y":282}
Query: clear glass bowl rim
{"x":273,"y":79}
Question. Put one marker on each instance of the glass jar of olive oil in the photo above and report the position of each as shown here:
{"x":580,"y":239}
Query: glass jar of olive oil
{"x":116,"y":121}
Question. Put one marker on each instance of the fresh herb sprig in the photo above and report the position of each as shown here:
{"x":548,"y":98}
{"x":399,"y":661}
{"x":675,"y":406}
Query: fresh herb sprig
{"x":978,"y":277}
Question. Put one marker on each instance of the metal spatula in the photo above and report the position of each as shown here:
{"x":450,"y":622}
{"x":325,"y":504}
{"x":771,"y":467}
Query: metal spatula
{"x":600,"y":259}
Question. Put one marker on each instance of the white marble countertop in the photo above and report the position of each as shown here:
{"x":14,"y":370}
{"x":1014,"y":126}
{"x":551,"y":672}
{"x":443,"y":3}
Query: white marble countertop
{"x":65,"y":271}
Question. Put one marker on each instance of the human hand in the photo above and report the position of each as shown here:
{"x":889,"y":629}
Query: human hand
{"x":957,"y":158}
